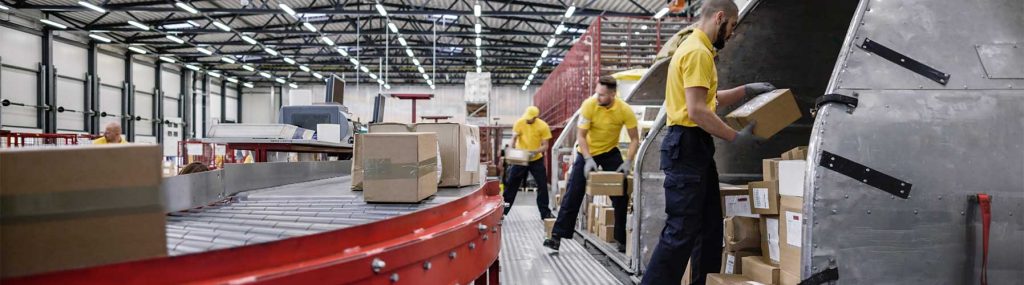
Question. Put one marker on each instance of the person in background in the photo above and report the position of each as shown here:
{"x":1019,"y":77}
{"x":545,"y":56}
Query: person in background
{"x":601,"y":120}
{"x":532,"y":134}
{"x":194,"y":167}
{"x":111,"y":135}
{"x":693,"y":223}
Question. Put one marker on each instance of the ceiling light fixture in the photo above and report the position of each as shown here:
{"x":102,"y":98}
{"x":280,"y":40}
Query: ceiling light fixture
{"x":401,"y":40}
{"x":661,"y":13}
{"x":393,"y":27}
{"x":228,"y":59}
{"x":231,"y":79}
{"x":186,"y":7}
{"x":141,"y":26}
{"x":281,"y":80}
{"x":175,"y":39}
{"x":478,"y":28}
{"x":168,"y":59}
{"x":250,"y":40}
{"x":354,"y":61}
{"x":289,"y":60}
{"x":92,"y":6}
{"x":248,"y":67}
{"x":248,"y":85}
{"x":476,"y":10}
{"x":264,"y":74}
{"x":100,"y":38}
{"x":214,"y":74}
{"x":534,"y":70}
{"x":479,"y":53}
{"x":304,"y":68}
{"x":205,"y":51}
{"x":309,"y":27}
{"x":479,"y":62}
{"x":192,"y":67}
{"x":318,"y":76}
{"x":551,"y":42}
{"x":286,"y":9}
{"x":137,"y":50}
{"x":420,"y":68}
{"x":409,"y":52}
{"x":222,"y":26}
{"x":364,"y":69}
{"x":342,"y":51}
{"x":327,"y":40}
{"x":560,"y":29}
{"x":425,"y":77}
{"x":568,"y":12}
{"x":271,"y":51}
{"x":478,"y":69}
{"x":380,"y":9}
{"x":53,"y":24}
{"x":373,"y":76}
{"x":478,"y":42}
{"x":293,"y":85}
{"x":544,"y":54}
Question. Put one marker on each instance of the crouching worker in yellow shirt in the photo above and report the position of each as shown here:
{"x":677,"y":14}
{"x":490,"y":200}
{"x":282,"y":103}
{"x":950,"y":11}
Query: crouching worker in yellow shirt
{"x":601,"y":121}
{"x":532,"y":134}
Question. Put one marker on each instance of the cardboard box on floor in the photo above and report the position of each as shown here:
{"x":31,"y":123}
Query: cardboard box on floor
{"x":772,"y":111}
{"x":770,"y":239}
{"x":728,"y":279}
{"x":790,"y":233}
{"x":736,"y":201}
{"x":80,"y":206}
{"x":797,"y":153}
{"x":357,"y":163}
{"x":764,"y":197}
{"x":517,"y":157}
{"x":732,"y":262}
{"x":549,"y":224}
{"x":742,"y":234}
{"x":607,"y":183}
{"x":460,"y":151}
{"x":400,"y":168}
{"x":758,"y":269}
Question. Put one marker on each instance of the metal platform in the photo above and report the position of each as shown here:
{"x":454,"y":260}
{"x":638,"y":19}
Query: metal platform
{"x":525,"y":261}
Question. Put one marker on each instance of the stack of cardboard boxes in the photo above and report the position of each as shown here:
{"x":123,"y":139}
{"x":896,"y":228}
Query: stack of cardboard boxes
{"x":601,"y":215}
{"x":778,"y":200}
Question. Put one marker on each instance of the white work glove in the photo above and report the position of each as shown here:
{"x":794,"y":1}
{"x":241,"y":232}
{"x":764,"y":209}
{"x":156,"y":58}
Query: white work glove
{"x":746,"y":137}
{"x":754,"y":89}
{"x":589,"y":166}
{"x":624,"y":168}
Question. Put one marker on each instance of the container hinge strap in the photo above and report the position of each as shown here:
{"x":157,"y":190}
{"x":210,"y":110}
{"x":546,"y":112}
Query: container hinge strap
{"x":905,"y":61}
{"x":828,"y":275}
{"x":866,"y":175}
{"x":849,"y":101}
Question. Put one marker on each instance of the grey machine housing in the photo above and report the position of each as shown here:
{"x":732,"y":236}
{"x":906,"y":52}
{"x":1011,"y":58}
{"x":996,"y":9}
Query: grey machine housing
{"x":308,"y":116}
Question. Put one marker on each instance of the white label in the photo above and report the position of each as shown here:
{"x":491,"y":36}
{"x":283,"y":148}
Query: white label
{"x":194,"y":148}
{"x":794,"y":230}
{"x":472,"y":155}
{"x":730,"y":263}
{"x":738,"y":205}
{"x":761,"y":198}
{"x":773,"y":239}
{"x":220,"y":149}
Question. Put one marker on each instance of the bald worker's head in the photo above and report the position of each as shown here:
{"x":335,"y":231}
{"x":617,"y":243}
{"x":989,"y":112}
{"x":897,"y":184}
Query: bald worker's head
{"x":112,"y":133}
{"x":718,"y":19}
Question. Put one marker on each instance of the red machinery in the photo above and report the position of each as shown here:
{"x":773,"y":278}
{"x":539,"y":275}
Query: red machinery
{"x":13,"y":139}
{"x":453,"y":243}
{"x":414,"y":98}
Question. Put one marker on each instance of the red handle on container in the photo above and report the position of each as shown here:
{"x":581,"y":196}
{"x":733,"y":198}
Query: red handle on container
{"x":985,"y":205}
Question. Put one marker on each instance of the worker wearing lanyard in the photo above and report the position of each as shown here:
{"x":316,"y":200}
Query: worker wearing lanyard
{"x":693,"y":225}
{"x":600,"y":124}
{"x":532,"y":134}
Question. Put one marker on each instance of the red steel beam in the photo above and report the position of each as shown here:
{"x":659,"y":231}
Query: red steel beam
{"x":453,"y":243}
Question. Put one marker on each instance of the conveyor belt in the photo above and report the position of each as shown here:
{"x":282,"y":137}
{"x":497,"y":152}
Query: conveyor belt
{"x":282,"y":212}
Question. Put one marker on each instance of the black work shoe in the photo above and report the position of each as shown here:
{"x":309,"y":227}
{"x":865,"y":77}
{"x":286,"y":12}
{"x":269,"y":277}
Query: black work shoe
{"x":552,"y":243}
{"x":548,"y":216}
{"x":622,"y":247}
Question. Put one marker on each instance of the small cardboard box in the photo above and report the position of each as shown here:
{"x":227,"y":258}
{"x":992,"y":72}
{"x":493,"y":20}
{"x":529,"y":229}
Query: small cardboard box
{"x":770,"y":169}
{"x":606,"y":233}
{"x":727,"y":279}
{"x":770,"y":239}
{"x":764,"y":197}
{"x":797,"y":153}
{"x":742,"y":234}
{"x":460,"y":152}
{"x":357,"y":163}
{"x":591,"y":217}
{"x":81,"y":206}
{"x":736,"y":202}
{"x":629,"y":186}
{"x":606,"y":216}
{"x":772,"y":111}
{"x":786,"y":278}
{"x":548,"y":225}
{"x":755,"y":268}
{"x":732,"y":261}
{"x":608,"y":183}
{"x":791,"y":177}
{"x":790,"y":233}
{"x":400,"y":168}
{"x":389,"y":128}
{"x":517,"y":157}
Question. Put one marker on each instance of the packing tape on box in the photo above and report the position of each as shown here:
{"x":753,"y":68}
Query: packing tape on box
{"x":37,"y":205}
{"x":381,"y":169}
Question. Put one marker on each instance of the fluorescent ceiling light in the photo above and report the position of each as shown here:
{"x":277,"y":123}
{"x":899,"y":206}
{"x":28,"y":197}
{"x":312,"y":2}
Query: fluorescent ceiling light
{"x":622,"y":44}
{"x":643,"y":27}
{"x":186,"y":7}
{"x":53,"y":24}
{"x":478,"y":28}
{"x":661,"y":13}
{"x":286,"y":9}
{"x":289,"y":60}
{"x":380,"y":9}
{"x":318,"y":76}
{"x":387,"y":86}
{"x":293,"y":85}
{"x":409,"y":52}
{"x":478,"y":69}
{"x":4,"y":7}
{"x":100,"y":38}
{"x":393,"y":27}
{"x":560,"y":29}
{"x":534,"y":70}
{"x":544,"y":54}
{"x":248,"y":85}
{"x":568,"y":12}
{"x":342,"y":51}
{"x":476,"y":10}
{"x":374,"y":76}
{"x":264,"y":74}
{"x":327,"y":40}
{"x":141,"y":26}
{"x":479,"y":53}
{"x":228,"y":59}
{"x":401,"y":40}
{"x":193,"y":23}
{"x":222,"y":26}
{"x":231,"y":79}
{"x":529,"y":78}
{"x":204,"y":50}
{"x":270,"y":51}
{"x":479,"y":62}
{"x":416,"y":62}
{"x":551,"y":42}
{"x":304,"y":68}
{"x":168,"y":59}
{"x":425,"y":77}
{"x":92,"y":6}
{"x":540,"y":61}
{"x":137,"y":50}
{"x":478,"y":42}
{"x":192,"y":67}
{"x":380,"y":81}
{"x":309,"y":27}
{"x":431,"y":83}
{"x":214,"y":74}
{"x":250,"y":40}
{"x":175,"y":39}
{"x":420,"y":68}
{"x":364,"y":69}
{"x":354,"y":61}
{"x":281,"y":80}
{"x":524,"y":87}
{"x":248,"y":67}
{"x":431,"y":86}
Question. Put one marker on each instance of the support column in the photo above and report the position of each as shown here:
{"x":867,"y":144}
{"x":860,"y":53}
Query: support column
{"x":238,"y":114}
{"x":206,"y":99}
{"x":185,"y":99}
{"x":158,"y":104}
{"x":92,"y":94}
{"x":128,"y":99}
{"x":223,"y":101}
{"x":46,"y":95}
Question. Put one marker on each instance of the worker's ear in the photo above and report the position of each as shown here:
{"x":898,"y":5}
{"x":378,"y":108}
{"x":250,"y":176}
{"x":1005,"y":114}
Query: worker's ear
{"x":720,"y":18}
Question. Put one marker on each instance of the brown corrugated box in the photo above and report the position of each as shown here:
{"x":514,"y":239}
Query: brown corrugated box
{"x":790,"y":216}
{"x":74,"y":207}
{"x":758,"y":269}
{"x":770,"y":239}
{"x":735,"y":201}
{"x":548,"y":225}
{"x":459,"y":149}
{"x":773,"y":111}
{"x":401,"y":167}
{"x":727,"y":279}
{"x":389,"y":128}
{"x":732,"y":262}
{"x":764,"y":197}
{"x":606,"y":216}
{"x":786,"y":278}
{"x":607,"y":183}
{"x":606,"y":233}
{"x":742,"y":234}
{"x":770,"y":169}
{"x":357,"y":163}
{"x":517,"y":157}
{"x":797,"y":153}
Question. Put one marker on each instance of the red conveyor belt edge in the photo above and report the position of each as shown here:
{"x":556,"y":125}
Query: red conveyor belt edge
{"x":451,"y":237}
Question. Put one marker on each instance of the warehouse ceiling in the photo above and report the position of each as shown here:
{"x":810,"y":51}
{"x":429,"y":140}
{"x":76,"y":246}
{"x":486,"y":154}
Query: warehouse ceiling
{"x":299,"y":41}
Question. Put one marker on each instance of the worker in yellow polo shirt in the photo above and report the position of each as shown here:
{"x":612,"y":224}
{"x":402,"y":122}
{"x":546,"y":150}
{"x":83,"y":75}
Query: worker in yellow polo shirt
{"x":601,"y":120}
{"x":693,"y":223}
{"x":532,"y":134}
{"x":111,"y":135}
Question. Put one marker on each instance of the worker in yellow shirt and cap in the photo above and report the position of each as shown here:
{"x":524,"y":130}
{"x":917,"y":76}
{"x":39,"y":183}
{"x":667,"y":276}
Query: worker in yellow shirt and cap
{"x":532,"y":134}
{"x":111,"y":135}
{"x":601,"y":120}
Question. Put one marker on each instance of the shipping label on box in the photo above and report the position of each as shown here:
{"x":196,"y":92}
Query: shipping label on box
{"x":791,"y":177}
{"x":606,"y":183}
{"x":738,"y":206}
{"x":731,"y":261}
{"x":770,"y":239}
{"x":764,"y":197}
{"x":772,"y":111}
{"x":794,"y":230}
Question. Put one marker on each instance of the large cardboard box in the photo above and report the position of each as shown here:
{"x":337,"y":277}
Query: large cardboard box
{"x":764,"y":197}
{"x":357,"y":163}
{"x":607,"y":183}
{"x":460,"y":152}
{"x":517,"y":157}
{"x":75,"y":207}
{"x":757,"y":269}
{"x":732,"y":261}
{"x":791,"y":177}
{"x":790,"y":233}
{"x":629,"y":186}
{"x":786,"y":278}
{"x":797,"y":153}
{"x":389,"y":128}
{"x":549,"y":224}
{"x":606,"y":233}
{"x":606,"y":216}
{"x":770,"y":169}
{"x":728,"y":279}
{"x":736,"y":201}
{"x":773,"y":111}
{"x":742,"y":234}
{"x":770,"y":239}
{"x":400,"y":167}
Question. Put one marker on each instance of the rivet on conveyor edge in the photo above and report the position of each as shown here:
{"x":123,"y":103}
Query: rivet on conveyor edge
{"x":834,"y":211}
{"x":426,"y":265}
{"x":394,"y":277}
{"x":452,"y":255}
{"x":485,"y":237}
{"x":482,"y":228}
{"x":377,"y":265}
{"x":472,"y":245}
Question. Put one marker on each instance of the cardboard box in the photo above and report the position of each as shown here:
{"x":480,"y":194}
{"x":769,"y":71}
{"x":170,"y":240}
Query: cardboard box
{"x":773,"y":111}
{"x":357,"y":163}
{"x":742,"y":234}
{"x":727,"y":279}
{"x":606,"y":216}
{"x":797,"y":153}
{"x":80,"y":206}
{"x":629,"y":186}
{"x":460,"y":152}
{"x":629,"y":241}
{"x":770,"y":169}
{"x":764,"y":197}
{"x":770,"y":239}
{"x":736,"y":202}
{"x":558,"y":200}
{"x":548,"y":225}
{"x":389,"y":128}
{"x":517,"y":157}
{"x":791,"y":177}
{"x":591,"y":217}
{"x":607,"y":183}
{"x":732,"y":262}
{"x":786,"y":278}
{"x":687,"y":275}
{"x":401,"y":167}
{"x":606,"y":233}
{"x":790,"y":233}
{"x":757,"y":269}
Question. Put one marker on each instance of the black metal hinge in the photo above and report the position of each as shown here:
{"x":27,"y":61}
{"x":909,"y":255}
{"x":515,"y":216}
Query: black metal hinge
{"x":850,"y":102}
{"x":828,"y":275}
{"x":905,"y":61}
{"x":866,"y":175}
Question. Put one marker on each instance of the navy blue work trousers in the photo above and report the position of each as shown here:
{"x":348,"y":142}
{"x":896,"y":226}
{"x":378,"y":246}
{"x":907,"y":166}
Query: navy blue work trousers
{"x":576,"y":189}
{"x":517,"y":176}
